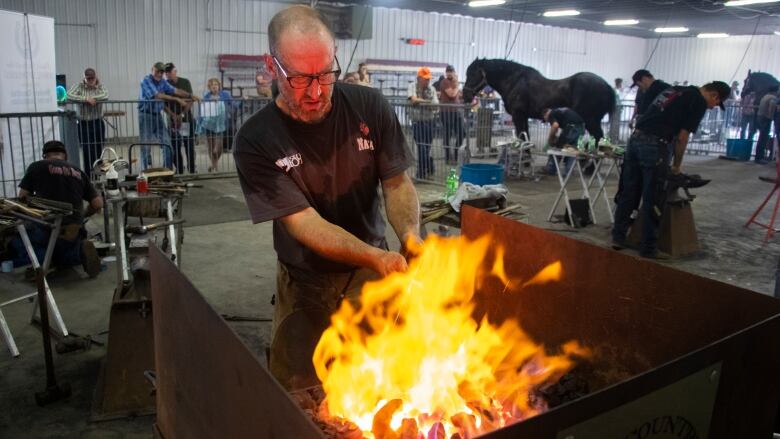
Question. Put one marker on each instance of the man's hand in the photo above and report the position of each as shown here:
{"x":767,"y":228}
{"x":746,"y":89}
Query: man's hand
{"x":390,"y":262}
{"x":195,"y":98}
{"x":91,"y":101}
{"x":181,"y":101}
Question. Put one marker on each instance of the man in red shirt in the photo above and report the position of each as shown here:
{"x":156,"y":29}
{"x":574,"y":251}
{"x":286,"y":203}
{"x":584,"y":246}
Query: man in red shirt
{"x":451,"y":117}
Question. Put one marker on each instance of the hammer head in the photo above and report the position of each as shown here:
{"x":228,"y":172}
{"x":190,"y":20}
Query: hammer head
{"x":52,"y":394}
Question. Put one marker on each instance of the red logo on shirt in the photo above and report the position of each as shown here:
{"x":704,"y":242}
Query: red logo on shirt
{"x":364,"y":128}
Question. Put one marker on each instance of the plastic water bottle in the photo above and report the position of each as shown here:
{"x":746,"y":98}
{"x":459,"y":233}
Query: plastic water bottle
{"x":112,"y":182}
{"x":452,"y":184}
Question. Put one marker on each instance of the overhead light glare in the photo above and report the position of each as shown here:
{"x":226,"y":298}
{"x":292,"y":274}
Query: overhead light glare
{"x":748,"y":2}
{"x":480,"y":3}
{"x":664,"y":30}
{"x":626,"y":22}
{"x":777,"y":32}
{"x":562,"y":13}
{"x":715,"y":35}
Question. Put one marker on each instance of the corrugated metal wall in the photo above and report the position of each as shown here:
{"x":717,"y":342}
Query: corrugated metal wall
{"x":703,"y":60}
{"x":122,"y":38}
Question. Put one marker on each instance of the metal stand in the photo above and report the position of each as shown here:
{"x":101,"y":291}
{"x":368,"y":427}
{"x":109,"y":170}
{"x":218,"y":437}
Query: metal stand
{"x":601,"y":190}
{"x":563,"y":193}
{"x":52,"y":305}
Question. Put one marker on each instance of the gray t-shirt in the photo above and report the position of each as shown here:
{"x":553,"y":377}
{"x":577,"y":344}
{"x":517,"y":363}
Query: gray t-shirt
{"x":334,"y":166}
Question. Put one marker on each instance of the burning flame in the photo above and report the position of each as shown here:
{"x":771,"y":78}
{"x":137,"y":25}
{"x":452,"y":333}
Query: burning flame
{"x":412,"y":360}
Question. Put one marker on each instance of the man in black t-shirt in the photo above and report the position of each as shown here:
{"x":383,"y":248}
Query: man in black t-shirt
{"x":569,"y":122}
{"x":312,"y":161}
{"x":572,"y":127}
{"x":674,"y":114}
{"x":649,"y":89}
{"x":55,"y":179}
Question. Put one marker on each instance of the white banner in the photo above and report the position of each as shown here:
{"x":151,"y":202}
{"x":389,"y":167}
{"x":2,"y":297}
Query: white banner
{"x":27,"y":85}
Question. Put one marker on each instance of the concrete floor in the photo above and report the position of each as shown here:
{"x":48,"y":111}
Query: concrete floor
{"x":232,"y":262}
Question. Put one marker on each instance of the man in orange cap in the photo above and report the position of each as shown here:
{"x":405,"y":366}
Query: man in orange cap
{"x":422,"y":95}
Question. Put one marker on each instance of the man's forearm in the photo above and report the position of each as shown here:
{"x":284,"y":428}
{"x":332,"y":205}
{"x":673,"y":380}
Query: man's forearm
{"x":330,"y":241}
{"x":679,"y":148}
{"x":182,"y":93}
{"x":402,"y":206}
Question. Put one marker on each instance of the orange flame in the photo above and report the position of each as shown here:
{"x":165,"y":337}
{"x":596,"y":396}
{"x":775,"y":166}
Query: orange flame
{"x":413,"y":354}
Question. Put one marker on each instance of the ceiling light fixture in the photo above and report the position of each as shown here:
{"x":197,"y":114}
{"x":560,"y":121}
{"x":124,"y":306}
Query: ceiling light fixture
{"x":748,"y":2}
{"x":480,"y":3}
{"x":714,"y":35}
{"x":561,"y":13}
{"x":664,"y":30}
{"x":626,"y":22}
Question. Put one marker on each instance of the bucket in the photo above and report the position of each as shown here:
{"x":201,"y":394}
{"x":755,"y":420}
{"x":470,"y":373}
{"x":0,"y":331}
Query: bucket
{"x":482,"y":174}
{"x":739,"y":149}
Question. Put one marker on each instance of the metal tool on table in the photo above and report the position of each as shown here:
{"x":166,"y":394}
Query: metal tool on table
{"x":53,"y":392}
{"x":141,"y":229}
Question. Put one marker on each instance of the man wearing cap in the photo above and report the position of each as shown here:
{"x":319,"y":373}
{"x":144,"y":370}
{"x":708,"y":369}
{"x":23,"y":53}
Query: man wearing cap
{"x":649,"y":88}
{"x":89,"y":92}
{"x":421,"y":93}
{"x":451,"y":117}
{"x":54,"y":178}
{"x":154,"y":90}
{"x":313,"y":161}
{"x":180,"y":122}
{"x":674,"y":114}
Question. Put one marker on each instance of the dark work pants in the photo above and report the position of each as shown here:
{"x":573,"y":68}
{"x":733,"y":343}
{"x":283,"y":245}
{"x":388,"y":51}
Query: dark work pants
{"x":304,"y":302}
{"x":187,"y":143}
{"x":66,"y":253}
{"x":764,"y":125}
{"x":423,"y":136}
{"x":452,"y":126}
{"x":92,"y":135}
{"x":645,"y":169}
{"x":747,"y":126}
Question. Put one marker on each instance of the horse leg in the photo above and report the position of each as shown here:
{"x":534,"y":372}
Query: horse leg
{"x":521,"y":123}
{"x":594,"y":128}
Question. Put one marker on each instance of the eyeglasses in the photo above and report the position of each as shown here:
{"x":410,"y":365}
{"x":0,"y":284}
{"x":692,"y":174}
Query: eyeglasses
{"x":303,"y":81}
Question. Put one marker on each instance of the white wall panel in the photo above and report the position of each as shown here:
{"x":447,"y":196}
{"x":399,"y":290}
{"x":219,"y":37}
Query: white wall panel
{"x":122,"y":38}
{"x":703,"y":60}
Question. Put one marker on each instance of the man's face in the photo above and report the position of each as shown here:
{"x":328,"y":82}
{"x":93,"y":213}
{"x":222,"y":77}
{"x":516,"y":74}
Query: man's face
{"x":90,"y":80}
{"x":645,"y":83}
{"x":157,"y":74}
{"x":451,"y":75}
{"x":423,"y":81}
{"x":173,"y":75}
{"x":299,"y":53}
{"x":712,"y":98}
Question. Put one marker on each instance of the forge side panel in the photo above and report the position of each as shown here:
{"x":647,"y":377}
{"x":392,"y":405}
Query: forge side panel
{"x":650,"y":327}
{"x":209,"y":384}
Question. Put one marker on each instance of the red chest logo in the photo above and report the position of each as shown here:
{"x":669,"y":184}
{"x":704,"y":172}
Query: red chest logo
{"x":364,"y":129}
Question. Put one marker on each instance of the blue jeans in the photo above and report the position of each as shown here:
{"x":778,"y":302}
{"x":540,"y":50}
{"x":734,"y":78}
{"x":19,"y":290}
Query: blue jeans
{"x":152,"y":130}
{"x":645,"y":168}
{"x":423,"y":136}
{"x":66,"y":253}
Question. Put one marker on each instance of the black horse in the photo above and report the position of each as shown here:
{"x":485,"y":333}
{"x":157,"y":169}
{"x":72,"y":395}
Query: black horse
{"x":758,"y":83}
{"x":526,"y":93}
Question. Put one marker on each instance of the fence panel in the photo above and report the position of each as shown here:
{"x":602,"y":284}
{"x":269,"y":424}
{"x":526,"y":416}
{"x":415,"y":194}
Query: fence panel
{"x":441,"y":137}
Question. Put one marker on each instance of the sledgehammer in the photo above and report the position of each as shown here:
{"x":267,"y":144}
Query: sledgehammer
{"x":53,"y":391}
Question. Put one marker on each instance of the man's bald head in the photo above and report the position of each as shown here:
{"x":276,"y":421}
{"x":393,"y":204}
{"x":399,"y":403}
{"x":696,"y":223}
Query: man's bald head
{"x":299,"y":18}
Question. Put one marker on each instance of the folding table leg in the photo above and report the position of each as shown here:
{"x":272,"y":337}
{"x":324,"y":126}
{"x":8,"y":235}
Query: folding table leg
{"x":7,"y":336}
{"x":770,"y":230}
{"x":761,"y":207}
{"x":53,"y":309}
{"x":585,"y":190}
{"x":562,"y":193}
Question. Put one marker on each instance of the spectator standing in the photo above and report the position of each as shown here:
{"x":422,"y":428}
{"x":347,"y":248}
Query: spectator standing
{"x":180,"y":122}
{"x":421,"y":95}
{"x":747,"y":124}
{"x":263,"y":83}
{"x":363,"y":77}
{"x":213,"y":119}
{"x":451,"y":117}
{"x":764,"y":117}
{"x":89,"y":92}
{"x":151,"y":127}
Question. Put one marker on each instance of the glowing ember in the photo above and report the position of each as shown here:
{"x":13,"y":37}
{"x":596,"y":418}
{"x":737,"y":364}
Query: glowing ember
{"x":412,"y":361}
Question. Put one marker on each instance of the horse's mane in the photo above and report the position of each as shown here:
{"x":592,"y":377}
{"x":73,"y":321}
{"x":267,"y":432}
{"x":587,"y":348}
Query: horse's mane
{"x":508,"y":67}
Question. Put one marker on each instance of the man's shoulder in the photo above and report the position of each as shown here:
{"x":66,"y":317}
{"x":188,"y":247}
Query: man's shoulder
{"x":358,"y":91}
{"x":261,"y":125}
{"x":185,"y":84}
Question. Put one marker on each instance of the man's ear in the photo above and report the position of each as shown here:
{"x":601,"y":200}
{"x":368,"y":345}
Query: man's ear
{"x":270,"y":65}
